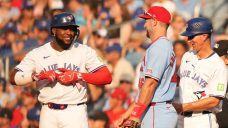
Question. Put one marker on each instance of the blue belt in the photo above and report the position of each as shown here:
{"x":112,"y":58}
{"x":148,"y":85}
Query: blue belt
{"x":189,"y":114}
{"x":60,"y":106}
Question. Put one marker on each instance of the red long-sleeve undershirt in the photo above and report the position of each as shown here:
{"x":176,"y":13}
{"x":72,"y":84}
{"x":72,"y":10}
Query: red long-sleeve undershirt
{"x":101,"y":77}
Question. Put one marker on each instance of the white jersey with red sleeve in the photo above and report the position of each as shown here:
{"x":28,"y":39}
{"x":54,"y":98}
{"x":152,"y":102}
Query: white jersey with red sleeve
{"x":79,"y":58}
{"x":202,"y":78}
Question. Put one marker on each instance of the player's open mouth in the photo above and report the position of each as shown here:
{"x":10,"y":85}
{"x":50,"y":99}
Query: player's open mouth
{"x":67,"y":38}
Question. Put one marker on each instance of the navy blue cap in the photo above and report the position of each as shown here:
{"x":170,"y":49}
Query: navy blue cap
{"x":197,"y":26}
{"x":114,"y":47}
{"x":63,"y":19}
{"x":27,"y":4}
{"x":10,"y":27}
{"x":43,"y":25}
{"x":221,"y":47}
{"x":34,"y":114}
{"x":6,"y":113}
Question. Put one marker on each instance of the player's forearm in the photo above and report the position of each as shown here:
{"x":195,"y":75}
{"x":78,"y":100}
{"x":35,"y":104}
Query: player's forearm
{"x":101,"y":77}
{"x":144,"y":99}
{"x":127,"y":114}
{"x":201,"y":105}
{"x":147,"y":91}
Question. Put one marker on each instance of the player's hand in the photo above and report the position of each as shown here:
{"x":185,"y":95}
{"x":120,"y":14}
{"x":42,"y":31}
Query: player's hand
{"x":49,"y":75}
{"x":119,"y":122}
{"x":131,"y":123}
{"x":124,"y":120}
{"x":178,"y":107}
{"x":67,"y":77}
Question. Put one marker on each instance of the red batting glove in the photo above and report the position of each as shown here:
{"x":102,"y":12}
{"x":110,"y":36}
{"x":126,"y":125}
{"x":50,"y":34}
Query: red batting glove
{"x":67,"y":77}
{"x":49,"y":75}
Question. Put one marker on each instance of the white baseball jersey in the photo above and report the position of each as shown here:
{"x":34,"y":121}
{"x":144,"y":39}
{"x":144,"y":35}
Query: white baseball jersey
{"x":202,"y":78}
{"x":78,"y":58}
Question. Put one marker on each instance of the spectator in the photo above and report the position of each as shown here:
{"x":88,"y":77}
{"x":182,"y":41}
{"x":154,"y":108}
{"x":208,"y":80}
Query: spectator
{"x":99,"y":120}
{"x":168,"y":4}
{"x":126,"y":84}
{"x":29,"y":102}
{"x":99,"y":41}
{"x":118,"y":15}
{"x":26,"y":21}
{"x":33,"y":117}
{"x":133,"y":5}
{"x":180,"y":47}
{"x":96,"y":99}
{"x":187,"y":8}
{"x":4,"y":97}
{"x":117,"y":64}
{"x":89,"y":15}
{"x":133,"y":51}
{"x":177,"y":26}
{"x":42,"y":32}
{"x":217,"y":12}
{"x":12,"y":45}
{"x":5,"y":118}
{"x":8,"y":13}
{"x":221,"y":48}
{"x":116,"y":108}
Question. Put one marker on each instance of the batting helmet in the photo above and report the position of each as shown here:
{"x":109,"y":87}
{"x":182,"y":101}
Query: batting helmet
{"x":197,"y":26}
{"x":64,"y":19}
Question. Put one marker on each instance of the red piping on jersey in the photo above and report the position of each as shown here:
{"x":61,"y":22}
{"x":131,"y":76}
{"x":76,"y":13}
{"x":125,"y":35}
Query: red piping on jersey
{"x":174,"y":78}
{"x":153,"y":116}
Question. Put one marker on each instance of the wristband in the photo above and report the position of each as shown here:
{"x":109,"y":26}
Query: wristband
{"x":138,"y":110}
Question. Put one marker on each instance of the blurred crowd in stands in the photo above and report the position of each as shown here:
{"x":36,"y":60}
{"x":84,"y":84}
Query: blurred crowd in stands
{"x":112,"y":28}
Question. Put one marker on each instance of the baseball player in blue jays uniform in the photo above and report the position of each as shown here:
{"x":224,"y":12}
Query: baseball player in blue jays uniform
{"x":62,"y":68}
{"x":153,"y":106}
{"x":203,"y":79}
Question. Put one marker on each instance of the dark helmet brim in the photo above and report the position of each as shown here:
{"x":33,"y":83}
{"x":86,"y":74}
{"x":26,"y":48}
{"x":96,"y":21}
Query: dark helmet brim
{"x":187,"y":33}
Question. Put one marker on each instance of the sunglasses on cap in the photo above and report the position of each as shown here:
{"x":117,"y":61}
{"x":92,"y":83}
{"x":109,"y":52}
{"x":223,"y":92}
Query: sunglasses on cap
{"x":192,"y":37}
{"x":147,"y":13}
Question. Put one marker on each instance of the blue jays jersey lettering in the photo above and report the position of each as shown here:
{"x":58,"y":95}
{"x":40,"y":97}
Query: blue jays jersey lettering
{"x":197,"y":82}
{"x":69,"y":66}
{"x":78,"y":58}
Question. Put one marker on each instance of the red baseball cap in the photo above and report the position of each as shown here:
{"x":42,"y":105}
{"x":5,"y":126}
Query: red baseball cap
{"x":157,"y":12}
{"x":119,"y":94}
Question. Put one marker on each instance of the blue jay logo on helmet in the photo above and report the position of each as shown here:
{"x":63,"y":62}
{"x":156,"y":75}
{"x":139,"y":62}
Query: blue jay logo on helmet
{"x":65,"y":19}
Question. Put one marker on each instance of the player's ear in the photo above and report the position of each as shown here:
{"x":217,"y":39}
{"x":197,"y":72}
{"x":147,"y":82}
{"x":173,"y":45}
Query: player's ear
{"x":205,"y":37}
{"x":53,"y":31}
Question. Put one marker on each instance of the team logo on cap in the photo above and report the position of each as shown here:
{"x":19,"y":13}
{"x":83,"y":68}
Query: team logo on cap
{"x":67,"y":19}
